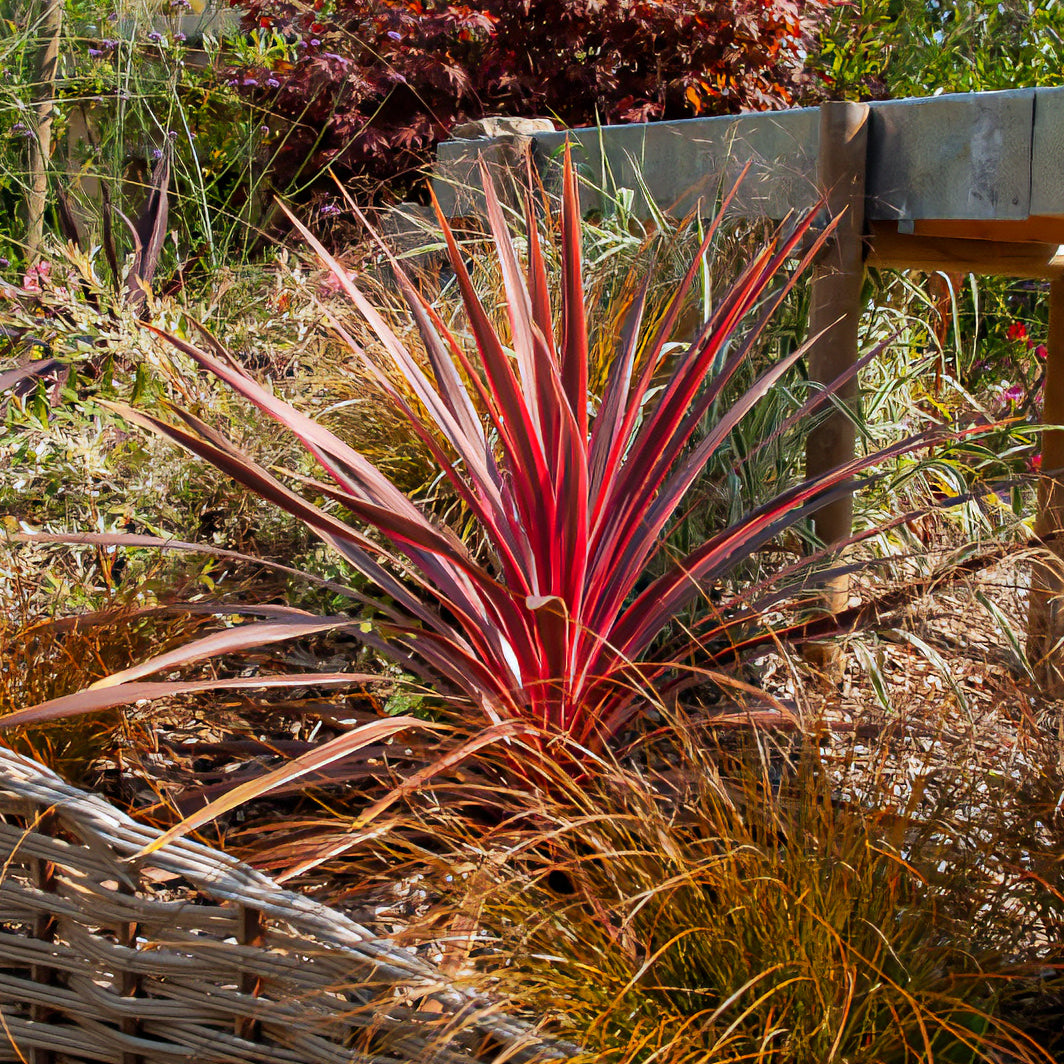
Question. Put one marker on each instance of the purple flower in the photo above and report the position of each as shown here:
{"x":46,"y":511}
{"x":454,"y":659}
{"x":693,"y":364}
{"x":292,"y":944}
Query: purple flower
{"x":156,"y":153}
{"x":250,"y":82}
{"x":272,"y":83}
{"x":95,"y":53}
{"x":4,"y":262}
{"x":329,"y":208}
{"x":394,"y":36}
{"x":155,"y":37}
{"x":180,"y":37}
{"x":1014,"y":393}
{"x":110,"y":44}
{"x":171,"y":135}
{"x":314,"y":42}
{"x":264,"y":130}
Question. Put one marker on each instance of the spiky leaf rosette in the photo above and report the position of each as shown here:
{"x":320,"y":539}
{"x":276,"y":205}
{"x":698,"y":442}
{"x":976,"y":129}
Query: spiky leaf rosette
{"x":549,"y":637}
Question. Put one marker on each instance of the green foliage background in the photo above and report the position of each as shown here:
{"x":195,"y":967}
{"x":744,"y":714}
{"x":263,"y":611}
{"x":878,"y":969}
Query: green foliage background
{"x":889,"y":49}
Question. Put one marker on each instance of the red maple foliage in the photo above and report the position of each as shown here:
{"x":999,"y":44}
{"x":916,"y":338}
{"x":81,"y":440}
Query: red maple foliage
{"x":378,"y":82}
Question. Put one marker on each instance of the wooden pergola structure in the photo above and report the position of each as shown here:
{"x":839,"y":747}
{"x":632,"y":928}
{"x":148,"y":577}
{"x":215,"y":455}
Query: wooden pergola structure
{"x":967,"y":183}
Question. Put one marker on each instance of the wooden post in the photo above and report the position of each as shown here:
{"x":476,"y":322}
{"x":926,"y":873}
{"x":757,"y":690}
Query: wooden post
{"x":1045,"y":624}
{"x":48,"y":16}
{"x":836,"y":307}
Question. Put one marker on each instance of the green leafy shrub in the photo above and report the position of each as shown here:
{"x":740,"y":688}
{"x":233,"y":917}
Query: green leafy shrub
{"x":897,"y":48}
{"x":134,"y":88}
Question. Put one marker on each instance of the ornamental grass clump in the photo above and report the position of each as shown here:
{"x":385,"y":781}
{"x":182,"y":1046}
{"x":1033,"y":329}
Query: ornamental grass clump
{"x":561,"y":630}
{"x":875,"y":906}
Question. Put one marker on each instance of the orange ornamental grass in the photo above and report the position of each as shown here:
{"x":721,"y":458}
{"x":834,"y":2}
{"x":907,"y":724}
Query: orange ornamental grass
{"x":555,"y":637}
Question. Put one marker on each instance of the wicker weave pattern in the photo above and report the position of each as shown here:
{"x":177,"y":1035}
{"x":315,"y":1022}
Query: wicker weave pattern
{"x":190,"y":956}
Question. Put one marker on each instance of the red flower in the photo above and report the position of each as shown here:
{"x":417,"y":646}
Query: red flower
{"x":1017,"y":331}
{"x":265,"y":22}
{"x":1041,"y":351}
{"x":1034,"y":463}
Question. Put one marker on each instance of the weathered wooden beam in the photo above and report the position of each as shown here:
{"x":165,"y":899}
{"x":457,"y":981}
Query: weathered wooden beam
{"x":889,"y":249}
{"x":1036,"y":229}
{"x":835,"y":311}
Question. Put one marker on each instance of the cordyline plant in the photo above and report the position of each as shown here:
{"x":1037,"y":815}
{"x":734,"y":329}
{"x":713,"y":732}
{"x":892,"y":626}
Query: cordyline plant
{"x":549,"y":637}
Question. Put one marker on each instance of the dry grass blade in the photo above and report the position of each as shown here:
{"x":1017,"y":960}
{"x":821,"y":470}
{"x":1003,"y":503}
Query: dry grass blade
{"x":744,"y":905}
{"x":313,"y":761}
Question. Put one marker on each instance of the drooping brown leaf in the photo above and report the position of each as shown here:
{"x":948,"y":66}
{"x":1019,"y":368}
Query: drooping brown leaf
{"x":94,"y":699}
{"x":343,"y":746}
{"x":149,"y":233}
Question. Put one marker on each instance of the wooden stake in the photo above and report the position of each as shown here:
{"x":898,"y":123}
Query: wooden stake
{"x":836,"y":307}
{"x":49,"y":25}
{"x":1045,"y":623}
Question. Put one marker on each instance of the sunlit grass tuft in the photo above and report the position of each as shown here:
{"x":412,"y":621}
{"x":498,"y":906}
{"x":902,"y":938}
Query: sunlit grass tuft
{"x":736,"y":905}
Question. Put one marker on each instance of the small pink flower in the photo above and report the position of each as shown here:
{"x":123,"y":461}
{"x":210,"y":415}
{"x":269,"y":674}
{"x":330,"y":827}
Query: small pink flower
{"x":1014,"y":393}
{"x":31,"y":280}
{"x":332,"y":285}
{"x":1040,"y":351}
{"x":1034,"y":463}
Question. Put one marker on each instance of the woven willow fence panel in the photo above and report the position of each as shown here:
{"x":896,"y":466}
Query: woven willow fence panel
{"x":190,"y":956}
